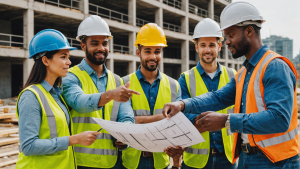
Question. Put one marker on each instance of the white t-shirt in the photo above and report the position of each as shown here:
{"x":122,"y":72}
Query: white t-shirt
{"x":244,"y":138}
{"x":212,"y":75}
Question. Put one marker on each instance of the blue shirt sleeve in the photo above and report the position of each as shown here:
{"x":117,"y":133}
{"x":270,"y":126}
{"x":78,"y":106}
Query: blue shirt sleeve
{"x":279,"y":82}
{"x":30,"y":115}
{"x":178,"y":93}
{"x":212,"y":101}
{"x":125,"y":114}
{"x":76,"y":98}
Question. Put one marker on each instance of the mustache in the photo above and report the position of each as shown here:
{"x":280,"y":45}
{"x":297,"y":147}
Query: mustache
{"x":233,"y":46}
{"x":104,"y":53}
{"x":151,"y":61}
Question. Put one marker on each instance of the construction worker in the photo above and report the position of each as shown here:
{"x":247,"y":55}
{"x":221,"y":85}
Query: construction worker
{"x":44,"y":120}
{"x":208,"y":75}
{"x":93,"y":91}
{"x":264,"y":122}
{"x":156,"y":89}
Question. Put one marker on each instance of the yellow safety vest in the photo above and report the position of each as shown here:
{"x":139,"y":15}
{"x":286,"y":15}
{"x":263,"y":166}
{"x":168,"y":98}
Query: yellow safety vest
{"x":197,"y":155}
{"x":53,"y":124}
{"x":102,"y":153}
{"x":167,"y":92}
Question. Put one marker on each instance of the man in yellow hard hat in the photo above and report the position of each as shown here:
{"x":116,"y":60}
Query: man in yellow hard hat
{"x":156,"y":89}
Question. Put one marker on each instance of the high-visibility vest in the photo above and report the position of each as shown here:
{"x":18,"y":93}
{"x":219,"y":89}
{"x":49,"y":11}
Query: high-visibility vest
{"x":167,"y":92}
{"x":102,"y":153}
{"x":278,"y":146}
{"x":53,"y":124}
{"x":197,"y":155}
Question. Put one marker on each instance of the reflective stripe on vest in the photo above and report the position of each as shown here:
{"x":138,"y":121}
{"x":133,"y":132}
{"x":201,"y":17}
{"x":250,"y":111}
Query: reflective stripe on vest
{"x":48,"y":111}
{"x":258,"y":97}
{"x":95,"y":151}
{"x":240,"y":74}
{"x":197,"y":151}
{"x":116,"y":105}
{"x":280,"y":139}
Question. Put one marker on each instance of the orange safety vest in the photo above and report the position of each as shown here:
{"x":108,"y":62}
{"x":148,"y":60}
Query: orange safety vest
{"x":278,"y":146}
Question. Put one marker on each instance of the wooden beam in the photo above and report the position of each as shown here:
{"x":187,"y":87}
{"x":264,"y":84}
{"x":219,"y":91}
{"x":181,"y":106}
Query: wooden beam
{"x":9,"y":153}
{"x":8,"y":115}
{"x":8,"y":141}
{"x":3,"y":164}
{"x":4,"y":133}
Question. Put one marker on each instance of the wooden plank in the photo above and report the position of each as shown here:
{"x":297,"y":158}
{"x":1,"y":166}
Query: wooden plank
{"x":9,"y":153}
{"x":8,"y":141}
{"x":9,"y":121}
{"x":4,"y":133}
{"x":6,"y":125}
{"x":8,"y":115}
{"x":3,"y":164}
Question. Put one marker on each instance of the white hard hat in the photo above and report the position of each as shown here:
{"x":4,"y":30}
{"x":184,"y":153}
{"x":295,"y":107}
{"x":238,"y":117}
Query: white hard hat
{"x":93,"y":25}
{"x":207,"y":28}
{"x":240,"y":14}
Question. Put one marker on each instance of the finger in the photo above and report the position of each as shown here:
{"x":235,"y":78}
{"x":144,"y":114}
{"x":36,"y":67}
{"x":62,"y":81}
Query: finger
{"x":132,"y":91}
{"x":202,"y":118}
{"x":166,"y":110}
{"x":127,"y":84}
{"x":201,"y":115}
{"x":172,"y":113}
{"x":125,"y":94}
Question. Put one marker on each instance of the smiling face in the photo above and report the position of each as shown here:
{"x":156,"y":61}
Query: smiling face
{"x":237,"y":41}
{"x":96,"y":49}
{"x":208,"y":48}
{"x":150,"y":57}
{"x":58,"y":65}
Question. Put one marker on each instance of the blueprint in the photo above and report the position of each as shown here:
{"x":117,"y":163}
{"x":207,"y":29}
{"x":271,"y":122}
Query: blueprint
{"x":156,"y":136}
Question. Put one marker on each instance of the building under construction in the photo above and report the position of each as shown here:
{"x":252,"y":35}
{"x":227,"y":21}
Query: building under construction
{"x":20,"y":20}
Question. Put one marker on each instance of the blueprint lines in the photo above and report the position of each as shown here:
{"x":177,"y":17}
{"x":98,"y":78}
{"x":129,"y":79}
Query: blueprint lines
{"x":155,"y":137}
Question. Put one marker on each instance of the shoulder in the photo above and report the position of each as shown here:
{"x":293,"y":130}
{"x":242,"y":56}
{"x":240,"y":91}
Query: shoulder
{"x":279,"y":69}
{"x":27,"y":98}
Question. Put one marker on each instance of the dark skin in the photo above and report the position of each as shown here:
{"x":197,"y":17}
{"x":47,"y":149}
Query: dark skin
{"x":213,"y":121}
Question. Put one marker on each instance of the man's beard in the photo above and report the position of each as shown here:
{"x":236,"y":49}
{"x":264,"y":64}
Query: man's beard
{"x":92,"y":57}
{"x":208,"y":62}
{"x":244,"y":47}
{"x":152,"y":68}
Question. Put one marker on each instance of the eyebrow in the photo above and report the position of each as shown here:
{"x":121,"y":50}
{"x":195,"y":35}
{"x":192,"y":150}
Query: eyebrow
{"x":147,"y":49}
{"x":94,"y":41}
{"x":228,"y":33}
{"x":63,"y":54}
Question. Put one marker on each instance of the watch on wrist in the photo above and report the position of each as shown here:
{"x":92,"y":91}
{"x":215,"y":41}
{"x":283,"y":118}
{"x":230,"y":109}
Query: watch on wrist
{"x":227,"y":123}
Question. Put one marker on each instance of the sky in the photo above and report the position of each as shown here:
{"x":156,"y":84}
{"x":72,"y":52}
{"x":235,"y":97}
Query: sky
{"x":282,"y":19}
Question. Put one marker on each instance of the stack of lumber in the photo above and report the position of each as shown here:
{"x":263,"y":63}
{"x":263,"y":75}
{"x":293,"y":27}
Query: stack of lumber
{"x":9,"y":136}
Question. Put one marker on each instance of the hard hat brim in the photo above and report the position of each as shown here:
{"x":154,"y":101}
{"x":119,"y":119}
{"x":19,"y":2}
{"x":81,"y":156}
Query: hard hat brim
{"x":70,"y":49}
{"x":197,"y":37}
{"x":149,"y":44}
{"x":108,"y":36}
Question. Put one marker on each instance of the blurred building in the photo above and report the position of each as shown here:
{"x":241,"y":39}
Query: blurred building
{"x":21,"y":19}
{"x":280,"y":45}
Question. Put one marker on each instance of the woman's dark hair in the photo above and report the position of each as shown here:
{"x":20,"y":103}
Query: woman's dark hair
{"x":39,"y":71}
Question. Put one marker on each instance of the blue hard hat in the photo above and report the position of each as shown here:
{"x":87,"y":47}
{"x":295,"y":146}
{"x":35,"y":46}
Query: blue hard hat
{"x":48,"y":40}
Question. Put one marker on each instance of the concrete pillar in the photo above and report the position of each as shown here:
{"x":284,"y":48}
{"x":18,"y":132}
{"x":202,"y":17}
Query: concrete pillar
{"x":84,"y":7}
{"x":185,"y":25}
{"x":226,"y":55}
{"x":185,"y":5}
{"x":110,"y":64}
{"x":159,"y":17}
{"x":161,"y":64}
{"x":132,"y":66}
{"x":28,"y":32}
{"x":131,"y":41}
{"x":111,"y":45}
{"x":132,"y":12}
{"x":185,"y":56}
{"x":211,"y":9}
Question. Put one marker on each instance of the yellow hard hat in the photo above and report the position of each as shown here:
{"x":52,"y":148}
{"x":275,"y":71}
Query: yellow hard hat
{"x":151,"y":35}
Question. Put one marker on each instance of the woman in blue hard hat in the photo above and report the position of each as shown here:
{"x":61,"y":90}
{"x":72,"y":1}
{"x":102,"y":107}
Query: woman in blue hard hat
{"x":44,"y":121}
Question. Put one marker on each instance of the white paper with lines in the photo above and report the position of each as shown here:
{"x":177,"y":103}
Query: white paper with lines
{"x":155,"y":137}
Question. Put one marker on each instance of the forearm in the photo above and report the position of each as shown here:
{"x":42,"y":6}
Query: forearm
{"x":105,"y":98}
{"x":148,"y":119}
{"x":265,"y":122}
{"x":44,"y":146}
{"x":212,"y":101}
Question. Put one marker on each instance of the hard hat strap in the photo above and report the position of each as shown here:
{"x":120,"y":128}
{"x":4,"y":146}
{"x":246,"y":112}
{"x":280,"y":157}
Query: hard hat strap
{"x":39,"y":55}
